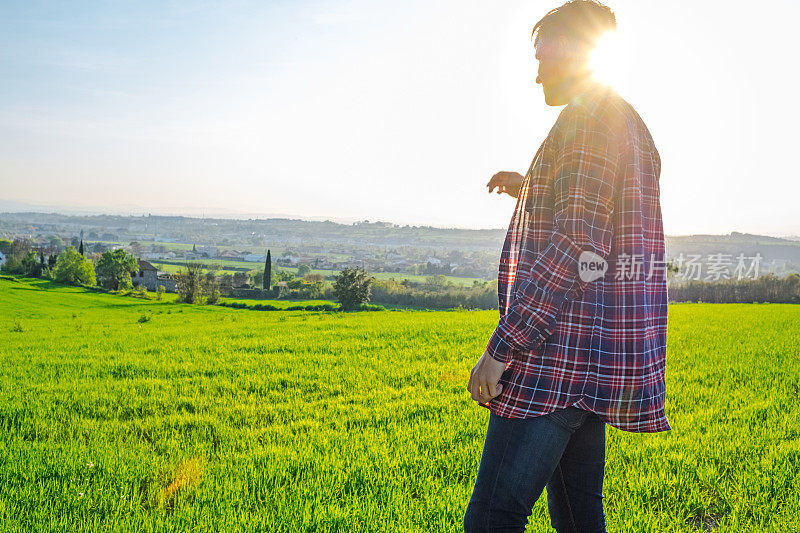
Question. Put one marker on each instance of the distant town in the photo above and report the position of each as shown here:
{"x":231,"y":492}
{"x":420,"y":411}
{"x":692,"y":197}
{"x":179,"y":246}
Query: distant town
{"x":163,"y":244}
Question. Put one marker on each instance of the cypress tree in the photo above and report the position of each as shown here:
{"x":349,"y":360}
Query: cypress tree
{"x":80,"y":250}
{"x":268,"y":272}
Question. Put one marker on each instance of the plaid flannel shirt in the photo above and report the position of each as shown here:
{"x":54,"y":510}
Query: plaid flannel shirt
{"x":600,"y":345}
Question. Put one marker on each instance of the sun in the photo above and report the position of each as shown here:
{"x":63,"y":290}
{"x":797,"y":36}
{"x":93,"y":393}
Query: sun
{"x":607,"y":61}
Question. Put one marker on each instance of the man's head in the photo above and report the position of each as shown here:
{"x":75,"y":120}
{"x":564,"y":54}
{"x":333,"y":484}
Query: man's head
{"x":564,"y":39}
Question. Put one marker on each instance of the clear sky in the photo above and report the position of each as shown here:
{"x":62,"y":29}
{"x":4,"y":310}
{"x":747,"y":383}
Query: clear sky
{"x":394,"y":111}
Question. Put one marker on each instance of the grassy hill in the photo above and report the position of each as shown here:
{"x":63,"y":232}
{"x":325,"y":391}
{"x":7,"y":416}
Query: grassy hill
{"x":121,"y":414}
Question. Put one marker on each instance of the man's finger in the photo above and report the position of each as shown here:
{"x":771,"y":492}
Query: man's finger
{"x":484,"y":395}
{"x":494,"y":389}
{"x":479,"y":390}
{"x":474,"y":392}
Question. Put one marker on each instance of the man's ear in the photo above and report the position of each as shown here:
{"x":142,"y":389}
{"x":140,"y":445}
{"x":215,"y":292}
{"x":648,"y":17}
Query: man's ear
{"x":569,"y":49}
{"x":563,"y":47}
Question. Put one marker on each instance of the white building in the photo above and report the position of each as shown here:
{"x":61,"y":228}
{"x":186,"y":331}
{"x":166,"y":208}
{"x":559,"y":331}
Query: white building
{"x":159,"y":255}
{"x":210,"y":251}
{"x":2,"y":258}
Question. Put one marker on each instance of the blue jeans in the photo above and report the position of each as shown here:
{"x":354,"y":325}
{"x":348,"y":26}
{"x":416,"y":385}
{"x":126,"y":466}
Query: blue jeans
{"x":564,"y":450}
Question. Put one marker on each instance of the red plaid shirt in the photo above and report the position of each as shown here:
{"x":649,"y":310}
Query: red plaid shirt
{"x":567,"y":339}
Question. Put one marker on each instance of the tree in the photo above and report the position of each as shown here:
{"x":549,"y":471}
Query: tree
{"x":56,"y":242}
{"x":314,"y":278}
{"x":284,"y":275}
{"x":211,"y":289}
{"x":437,"y":282}
{"x":190,"y":284}
{"x":19,"y":247}
{"x":21,"y":259}
{"x":241,"y":280}
{"x":456,"y":256}
{"x":268,"y":272}
{"x":225,"y":283}
{"x":114,"y":269}
{"x":80,"y":250}
{"x":352,"y":287}
{"x":302,"y":270}
{"x":136,"y":248}
{"x":71,"y":267}
{"x":256,"y":278}
{"x":30,"y":265}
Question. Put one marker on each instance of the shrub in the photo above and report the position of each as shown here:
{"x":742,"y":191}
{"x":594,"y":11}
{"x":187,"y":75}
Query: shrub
{"x":352,"y":287}
{"x":139,"y":292}
{"x":211,"y":289}
{"x":190,"y":285}
{"x":73,"y":268}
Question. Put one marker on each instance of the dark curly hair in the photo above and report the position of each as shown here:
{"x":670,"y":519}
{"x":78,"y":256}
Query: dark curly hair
{"x":581,"y":21}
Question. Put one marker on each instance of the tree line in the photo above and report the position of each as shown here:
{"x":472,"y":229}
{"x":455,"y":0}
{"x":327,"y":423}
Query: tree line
{"x":352,"y":287}
{"x":766,"y":288}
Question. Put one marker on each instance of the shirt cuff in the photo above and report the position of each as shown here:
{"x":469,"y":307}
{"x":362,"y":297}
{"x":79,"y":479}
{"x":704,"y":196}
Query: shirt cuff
{"x":498,"y":348}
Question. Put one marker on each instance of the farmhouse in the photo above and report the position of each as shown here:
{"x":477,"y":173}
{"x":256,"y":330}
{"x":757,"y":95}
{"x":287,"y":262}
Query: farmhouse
{"x":150,"y":278}
{"x":159,"y":255}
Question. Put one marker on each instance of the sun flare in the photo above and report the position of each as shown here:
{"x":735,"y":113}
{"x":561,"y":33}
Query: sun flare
{"x":606,"y":60}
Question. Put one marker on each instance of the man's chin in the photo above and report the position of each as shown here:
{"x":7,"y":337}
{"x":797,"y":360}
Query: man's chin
{"x":552,"y":99}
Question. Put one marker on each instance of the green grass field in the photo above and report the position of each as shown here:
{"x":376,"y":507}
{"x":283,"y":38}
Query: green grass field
{"x":120,"y":414}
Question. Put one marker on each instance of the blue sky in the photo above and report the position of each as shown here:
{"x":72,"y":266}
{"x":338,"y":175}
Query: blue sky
{"x":378,"y":110}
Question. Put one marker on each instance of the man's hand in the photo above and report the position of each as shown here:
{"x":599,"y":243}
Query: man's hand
{"x":484,"y":379}
{"x":507,"y":182}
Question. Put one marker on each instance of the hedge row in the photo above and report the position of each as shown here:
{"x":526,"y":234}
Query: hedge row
{"x":318,"y":307}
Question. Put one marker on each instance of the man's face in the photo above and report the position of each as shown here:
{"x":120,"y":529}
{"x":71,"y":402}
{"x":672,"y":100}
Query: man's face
{"x":556,"y":68}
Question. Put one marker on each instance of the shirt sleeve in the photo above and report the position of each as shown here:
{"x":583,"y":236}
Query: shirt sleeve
{"x":585,"y":168}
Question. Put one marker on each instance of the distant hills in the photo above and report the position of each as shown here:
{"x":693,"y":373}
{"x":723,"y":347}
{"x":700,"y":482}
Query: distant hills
{"x":778,"y":254}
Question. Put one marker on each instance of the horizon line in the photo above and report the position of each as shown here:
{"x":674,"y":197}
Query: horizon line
{"x":137,"y":211}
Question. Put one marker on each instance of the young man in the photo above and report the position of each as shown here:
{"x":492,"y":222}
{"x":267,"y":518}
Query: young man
{"x":581,"y":341}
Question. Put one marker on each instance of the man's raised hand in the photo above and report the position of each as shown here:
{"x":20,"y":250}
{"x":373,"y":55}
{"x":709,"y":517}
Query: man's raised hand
{"x":507,"y":182}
